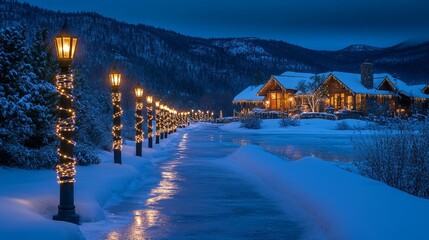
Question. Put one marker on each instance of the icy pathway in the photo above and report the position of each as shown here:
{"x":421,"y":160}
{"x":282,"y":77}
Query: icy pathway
{"x":197,"y":198}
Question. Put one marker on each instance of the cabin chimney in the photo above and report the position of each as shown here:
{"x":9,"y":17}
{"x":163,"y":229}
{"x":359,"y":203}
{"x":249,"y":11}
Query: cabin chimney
{"x":367,"y":74}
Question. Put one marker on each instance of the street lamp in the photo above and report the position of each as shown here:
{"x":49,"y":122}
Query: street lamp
{"x":149,"y":121}
{"x":166,"y":122}
{"x":175,"y":120}
{"x":65,"y":44}
{"x":139,"y":119}
{"x":161,"y":121}
{"x":115,"y":80}
{"x":157,"y":122}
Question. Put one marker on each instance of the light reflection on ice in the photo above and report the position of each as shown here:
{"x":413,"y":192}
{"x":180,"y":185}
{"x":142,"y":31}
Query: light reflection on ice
{"x":166,"y":189}
{"x":113,"y":236}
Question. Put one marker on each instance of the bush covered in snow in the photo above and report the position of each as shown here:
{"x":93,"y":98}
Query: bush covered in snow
{"x":343,"y":125}
{"x":251,"y":121}
{"x":397,"y":155}
{"x":286,"y":122}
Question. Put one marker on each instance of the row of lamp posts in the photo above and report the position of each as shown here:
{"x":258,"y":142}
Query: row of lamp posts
{"x":167,"y":120}
{"x":202,"y":116}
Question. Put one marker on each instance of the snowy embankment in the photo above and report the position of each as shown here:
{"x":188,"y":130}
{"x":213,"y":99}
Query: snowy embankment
{"x":29,"y":199}
{"x":307,"y":126}
{"x":345,"y":205}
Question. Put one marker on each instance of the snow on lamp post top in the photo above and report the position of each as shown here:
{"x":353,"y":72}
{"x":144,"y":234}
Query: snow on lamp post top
{"x":139,"y":91}
{"x":65,"y":44}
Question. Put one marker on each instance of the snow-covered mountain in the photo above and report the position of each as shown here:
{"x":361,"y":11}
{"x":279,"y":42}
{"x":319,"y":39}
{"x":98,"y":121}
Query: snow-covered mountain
{"x":360,"y":48}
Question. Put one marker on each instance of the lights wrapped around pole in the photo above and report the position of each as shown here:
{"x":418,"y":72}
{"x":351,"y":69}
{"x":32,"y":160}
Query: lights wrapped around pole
{"x":139,"y":120}
{"x":161,"y":121}
{"x":175,"y":120}
{"x":165,"y":121}
{"x":115,"y":80}
{"x":157,"y":122}
{"x":65,"y":44}
{"x":149,"y":121}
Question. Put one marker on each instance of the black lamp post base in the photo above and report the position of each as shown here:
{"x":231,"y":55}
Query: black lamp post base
{"x":157,"y":139}
{"x":139,"y":149}
{"x":150,"y":142}
{"x":67,"y":216}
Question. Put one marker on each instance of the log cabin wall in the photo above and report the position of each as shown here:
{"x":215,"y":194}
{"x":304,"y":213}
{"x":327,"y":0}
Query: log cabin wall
{"x":339,"y":96}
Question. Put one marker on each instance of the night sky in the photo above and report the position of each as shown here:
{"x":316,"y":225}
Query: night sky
{"x":316,"y":24}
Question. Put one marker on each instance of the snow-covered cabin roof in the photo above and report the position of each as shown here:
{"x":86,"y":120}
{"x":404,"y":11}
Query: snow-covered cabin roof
{"x":288,"y":80}
{"x":353,"y":82}
{"x":416,"y":91}
{"x":249,"y":95}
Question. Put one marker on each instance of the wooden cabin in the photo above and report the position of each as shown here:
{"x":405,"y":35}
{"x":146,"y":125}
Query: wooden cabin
{"x":248,"y":99}
{"x":346,"y":92}
{"x":280,"y":92}
{"x":367,"y":92}
{"x":408,"y":99}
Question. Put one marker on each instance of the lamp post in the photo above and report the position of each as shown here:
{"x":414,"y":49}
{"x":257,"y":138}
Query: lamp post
{"x":175,"y":120}
{"x":65,"y":44}
{"x":149,"y":121}
{"x":157,"y":122}
{"x":161,"y":121}
{"x":115,"y":81}
{"x":139,"y":120}
{"x":166,"y":119}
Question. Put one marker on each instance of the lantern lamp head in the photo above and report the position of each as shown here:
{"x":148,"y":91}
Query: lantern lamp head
{"x":157,"y":103}
{"x":115,"y":77}
{"x":149,"y":99}
{"x":65,"y":45}
{"x":139,"y":91}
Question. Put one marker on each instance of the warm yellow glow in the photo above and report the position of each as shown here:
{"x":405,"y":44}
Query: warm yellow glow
{"x":65,"y":170}
{"x":290,"y":99}
{"x":149,"y":99}
{"x":157,"y":103}
{"x":65,"y":44}
{"x":115,"y":78}
{"x":139,"y":91}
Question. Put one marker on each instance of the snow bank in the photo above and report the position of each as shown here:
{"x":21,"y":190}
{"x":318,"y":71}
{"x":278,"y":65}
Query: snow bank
{"x":309,"y":126}
{"x":345,"y":205}
{"x":29,"y":199}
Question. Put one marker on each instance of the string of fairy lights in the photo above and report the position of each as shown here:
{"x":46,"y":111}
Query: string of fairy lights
{"x":157,"y":122}
{"x":116,"y":129}
{"x":139,"y":121}
{"x":149,"y":118}
{"x":66,"y":121}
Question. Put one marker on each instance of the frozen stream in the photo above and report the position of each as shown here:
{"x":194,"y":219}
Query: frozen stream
{"x":195,"y":197}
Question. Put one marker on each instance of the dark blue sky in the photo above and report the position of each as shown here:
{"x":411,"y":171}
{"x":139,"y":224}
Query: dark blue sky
{"x":317,"y":24}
